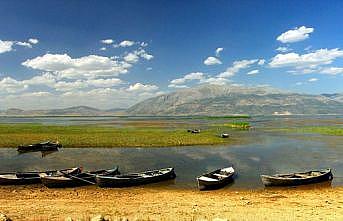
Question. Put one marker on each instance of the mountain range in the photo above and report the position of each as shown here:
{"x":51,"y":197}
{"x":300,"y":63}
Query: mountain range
{"x":211,"y":100}
{"x":229,"y":99}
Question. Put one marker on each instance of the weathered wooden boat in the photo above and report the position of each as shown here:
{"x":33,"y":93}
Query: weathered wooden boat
{"x":23,"y":178}
{"x":133,"y":179}
{"x":43,"y":146}
{"x":294,"y":179}
{"x":216,"y":179}
{"x":74,"y":180}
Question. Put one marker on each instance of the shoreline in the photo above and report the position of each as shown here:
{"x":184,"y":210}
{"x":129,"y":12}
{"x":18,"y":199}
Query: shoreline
{"x":41,"y":203}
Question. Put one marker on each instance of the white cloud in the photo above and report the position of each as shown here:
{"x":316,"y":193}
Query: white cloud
{"x":133,"y":57}
{"x":127,"y":43}
{"x":110,"y":82}
{"x":10,"y":85}
{"x":103,"y":49}
{"x":261,"y":62}
{"x":310,"y":60}
{"x":236,"y":67}
{"x":215,"y":81}
{"x":295,"y":35}
{"x":6,"y":46}
{"x":144,"y":44}
{"x":299,"y":83}
{"x":253,"y":72}
{"x":107,"y":41}
{"x":25,"y":44}
{"x":70,"y":86}
{"x":312,"y":79}
{"x":332,"y":70}
{"x":149,"y":68}
{"x":212,"y":61}
{"x":91,"y":66}
{"x":177,"y":86}
{"x":283,"y":49}
{"x":188,"y":77}
{"x":218,"y":50}
{"x":33,"y":41}
{"x":139,"y":87}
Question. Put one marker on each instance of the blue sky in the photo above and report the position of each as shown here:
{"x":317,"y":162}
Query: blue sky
{"x":52,"y":53}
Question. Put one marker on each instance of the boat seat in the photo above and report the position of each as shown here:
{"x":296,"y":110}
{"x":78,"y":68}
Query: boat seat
{"x":220,"y":175}
{"x":228,"y":170}
{"x":205,"y":178}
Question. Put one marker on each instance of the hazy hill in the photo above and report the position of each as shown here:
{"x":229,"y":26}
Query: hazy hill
{"x":71,"y":111}
{"x":225,"y":100}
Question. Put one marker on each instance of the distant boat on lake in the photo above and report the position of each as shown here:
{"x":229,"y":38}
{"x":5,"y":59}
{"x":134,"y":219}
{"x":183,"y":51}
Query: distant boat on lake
{"x":133,"y":179}
{"x":216,"y":179}
{"x":43,"y":146}
{"x":293,"y":179}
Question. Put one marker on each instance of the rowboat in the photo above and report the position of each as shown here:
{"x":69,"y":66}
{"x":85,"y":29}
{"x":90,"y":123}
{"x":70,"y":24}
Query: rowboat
{"x":133,"y":179}
{"x":43,"y":146}
{"x":74,"y":180}
{"x":216,"y":179}
{"x":293,"y":179}
{"x":22,"y":178}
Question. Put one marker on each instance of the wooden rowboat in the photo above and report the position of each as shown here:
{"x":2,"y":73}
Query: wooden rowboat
{"x":23,"y":178}
{"x":74,"y":180}
{"x":133,"y":179}
{"x":293,"y":179}
{"x":216,"y":179}
{"x":44,"y":146}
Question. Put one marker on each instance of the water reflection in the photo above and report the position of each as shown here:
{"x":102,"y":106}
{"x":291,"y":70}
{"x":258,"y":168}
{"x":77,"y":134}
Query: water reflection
{"x":270,"y":154}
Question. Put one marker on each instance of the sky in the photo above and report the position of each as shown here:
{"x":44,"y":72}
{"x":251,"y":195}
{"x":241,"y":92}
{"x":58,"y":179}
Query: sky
{"x":113,"y":54}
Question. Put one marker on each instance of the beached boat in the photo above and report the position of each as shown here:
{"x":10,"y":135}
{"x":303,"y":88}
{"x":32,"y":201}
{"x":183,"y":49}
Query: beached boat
{"x":43,"y":146}
{"x":293,"y":179}
{"x":216,"y":179}
{"x":22,"y":178}
{"x":73,"y":180}
{"x":133,"y":179}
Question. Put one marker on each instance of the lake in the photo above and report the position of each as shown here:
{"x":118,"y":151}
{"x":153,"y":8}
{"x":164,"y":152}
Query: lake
{"x":264,"y":152}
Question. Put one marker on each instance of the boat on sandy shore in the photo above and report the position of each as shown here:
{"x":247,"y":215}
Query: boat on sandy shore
{"x":23,"y":178}
{"x":133,"y":179}
{"x":43,"y":146}
{"x":74,"y":180}
{"x":294,"y":179}
{"x":216,"y":179}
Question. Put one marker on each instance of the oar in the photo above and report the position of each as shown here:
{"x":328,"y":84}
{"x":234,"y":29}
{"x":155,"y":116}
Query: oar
{"x":78,"y":178}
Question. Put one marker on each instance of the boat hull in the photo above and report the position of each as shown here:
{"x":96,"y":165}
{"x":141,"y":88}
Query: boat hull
{"x":277,"y":181}
{"x":13,"y":179}
{"x":80,"y":179}
{"x":205,"y":182}
{"x":132,"y":179}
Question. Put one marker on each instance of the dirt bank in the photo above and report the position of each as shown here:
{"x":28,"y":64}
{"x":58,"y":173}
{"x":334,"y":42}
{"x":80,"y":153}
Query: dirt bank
{"x":40,"y":203}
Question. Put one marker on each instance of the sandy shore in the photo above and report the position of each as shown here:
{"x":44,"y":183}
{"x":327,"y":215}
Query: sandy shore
{"x":40,"y":203}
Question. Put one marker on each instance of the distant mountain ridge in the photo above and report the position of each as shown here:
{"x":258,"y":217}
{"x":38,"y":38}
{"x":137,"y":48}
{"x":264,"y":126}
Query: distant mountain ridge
{"x":226,"y":100}
{"x":70,"y":111}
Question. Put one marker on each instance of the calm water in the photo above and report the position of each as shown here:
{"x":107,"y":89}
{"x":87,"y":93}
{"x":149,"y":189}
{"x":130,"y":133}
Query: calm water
{"x":263,"y":153}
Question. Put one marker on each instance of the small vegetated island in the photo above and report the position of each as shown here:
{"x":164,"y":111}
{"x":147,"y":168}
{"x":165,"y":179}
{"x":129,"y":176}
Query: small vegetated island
{"x":128,"y":133}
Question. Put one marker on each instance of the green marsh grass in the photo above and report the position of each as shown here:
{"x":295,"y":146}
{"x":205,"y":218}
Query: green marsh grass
{"x":12,"y":135}
{"x":326,"y":130}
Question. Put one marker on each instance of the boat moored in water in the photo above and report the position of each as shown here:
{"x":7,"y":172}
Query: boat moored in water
{"x":133,"y":179}
{"x":43,"y":146}
{"x":294,"y":179}
{"x":216,"y":179}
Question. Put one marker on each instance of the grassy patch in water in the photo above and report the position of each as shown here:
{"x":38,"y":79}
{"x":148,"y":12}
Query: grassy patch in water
{"x":12,"y":135}
{"x":326,"y":130}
